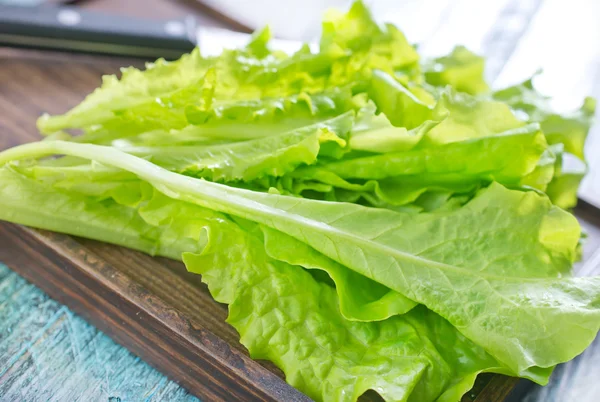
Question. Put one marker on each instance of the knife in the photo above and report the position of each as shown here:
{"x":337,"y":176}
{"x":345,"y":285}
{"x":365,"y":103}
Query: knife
{"x":66,"y":28}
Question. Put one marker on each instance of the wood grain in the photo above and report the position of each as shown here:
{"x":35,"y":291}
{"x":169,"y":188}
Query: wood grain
{"x":136,"y":317}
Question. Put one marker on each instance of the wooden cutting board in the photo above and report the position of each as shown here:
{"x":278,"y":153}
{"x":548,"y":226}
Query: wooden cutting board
{"x":152,"y":306}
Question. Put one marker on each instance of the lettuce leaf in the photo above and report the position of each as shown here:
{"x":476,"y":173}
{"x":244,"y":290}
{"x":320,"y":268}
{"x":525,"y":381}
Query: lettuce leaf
{"x":284,"y":315}
{"x":567,"y":132}
{"x":464,"y":144}
{"x":247,"y":160}
{"x":364,"y":46}
{"x":569,"y":129}
{"x":361,"y":299}
{"x":459,"y":167}
{"x":83,"y":215}
{"x":429,"y":258}
{"x":418,"y":356}
{"x":399,"y":104}
{"x":118,"y":208}
{"x":166,"y":122}
{"x":461,"y":69}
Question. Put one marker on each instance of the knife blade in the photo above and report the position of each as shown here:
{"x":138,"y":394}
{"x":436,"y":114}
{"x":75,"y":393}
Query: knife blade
{"x":66,"y":28}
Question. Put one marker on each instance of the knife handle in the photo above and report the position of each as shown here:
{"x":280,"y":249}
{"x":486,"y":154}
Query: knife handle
{"x":73,"y":29}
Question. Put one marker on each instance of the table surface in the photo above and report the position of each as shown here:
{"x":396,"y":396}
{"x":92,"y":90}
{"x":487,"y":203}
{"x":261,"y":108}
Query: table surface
{"x":48,"y":353}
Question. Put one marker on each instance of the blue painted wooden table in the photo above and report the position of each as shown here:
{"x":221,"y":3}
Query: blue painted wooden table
{"x":47,"y":353}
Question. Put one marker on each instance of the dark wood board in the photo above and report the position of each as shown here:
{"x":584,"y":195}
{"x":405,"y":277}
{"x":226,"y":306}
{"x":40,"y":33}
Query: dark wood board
{"x":176,"y":340}
{"x":152,"y":306}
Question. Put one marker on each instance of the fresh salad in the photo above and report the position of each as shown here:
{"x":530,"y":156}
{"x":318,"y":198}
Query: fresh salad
{"x":373,"y":220}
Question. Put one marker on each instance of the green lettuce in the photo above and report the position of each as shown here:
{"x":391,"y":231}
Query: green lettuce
{"x":568,"y":131}
{"x":118,"y":208}
{"x":284,"y":315}
{"x":418,"y":356}
{"x":373,"y":220}
{"x":429,"y":258}
{"x":361,"y":299}
{"x":247,"y":160}
{"x":461,"y":69}
{"x":460,"y":144}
